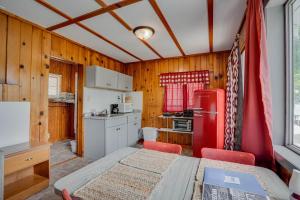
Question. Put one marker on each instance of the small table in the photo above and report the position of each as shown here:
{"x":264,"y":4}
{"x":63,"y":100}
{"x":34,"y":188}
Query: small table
{"x":26,"y":169}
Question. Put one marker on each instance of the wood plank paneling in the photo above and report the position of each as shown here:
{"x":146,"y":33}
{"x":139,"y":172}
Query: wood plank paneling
{"x":25,"y":51}
{"x":3,"y":39}
{"x":36,"y":62}
{"x":61,"y":117}
{"x":146,"y":79}
{"x":10,"y":92}
{"x":58,"y":47}
{"x":46,"y":49}
{"x":13,"y":53}
{"x":25,"y":61}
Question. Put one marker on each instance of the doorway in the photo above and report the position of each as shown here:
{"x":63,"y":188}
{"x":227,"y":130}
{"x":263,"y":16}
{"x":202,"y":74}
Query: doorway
{"x":64,"y":86}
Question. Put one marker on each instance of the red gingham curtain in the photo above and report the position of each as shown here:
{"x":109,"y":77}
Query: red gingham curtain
{"x":191,"y":88}
{"x":173,"y":101}
{"x":185,"y":78}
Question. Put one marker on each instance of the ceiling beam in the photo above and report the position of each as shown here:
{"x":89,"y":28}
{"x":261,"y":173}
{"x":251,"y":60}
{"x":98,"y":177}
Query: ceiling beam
{"x":120,"y":4}
{"x":210,"y":11}
{"x":57,"y":11}
{"x":127,"y":26}
{"x":112,"y":13}
{"x":165,"y":23}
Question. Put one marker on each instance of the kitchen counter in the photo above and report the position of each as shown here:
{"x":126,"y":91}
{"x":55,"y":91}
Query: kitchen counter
{"x":115,"y":116}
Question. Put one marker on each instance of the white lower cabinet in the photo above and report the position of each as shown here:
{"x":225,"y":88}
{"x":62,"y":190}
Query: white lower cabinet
{"x":115,"y":138}
{"x":111,"y":140}
{"x":133,"y":132}
{"x":122,"y":136}
{"x":104,"y":136}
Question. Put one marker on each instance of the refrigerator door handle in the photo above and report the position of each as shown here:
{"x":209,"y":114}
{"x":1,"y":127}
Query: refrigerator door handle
{"x":195,"y":109}
{"x":208,"y":112}
{"x":198,"y":115}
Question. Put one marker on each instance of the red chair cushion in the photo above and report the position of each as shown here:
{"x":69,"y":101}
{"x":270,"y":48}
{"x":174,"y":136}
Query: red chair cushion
{"x":163,"y":147}
{"x":229,"y":156}
{"x":66,"y":195}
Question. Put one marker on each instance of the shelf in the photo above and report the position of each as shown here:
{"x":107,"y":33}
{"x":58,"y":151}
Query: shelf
{"x":25,"y":187}
{"x":172,"y":131}
{"x":173,"y":117}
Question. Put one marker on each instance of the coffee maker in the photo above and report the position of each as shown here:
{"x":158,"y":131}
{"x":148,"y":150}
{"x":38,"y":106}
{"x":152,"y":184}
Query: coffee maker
{"x":114,"y":109}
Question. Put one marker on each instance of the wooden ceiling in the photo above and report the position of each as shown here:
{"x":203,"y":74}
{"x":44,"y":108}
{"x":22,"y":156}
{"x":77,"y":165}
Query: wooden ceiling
{"x":181,"y":27}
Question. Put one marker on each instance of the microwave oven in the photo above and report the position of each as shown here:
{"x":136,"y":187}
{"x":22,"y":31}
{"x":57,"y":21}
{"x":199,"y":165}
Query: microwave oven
{"x":125,"y":107}
{"x":182,"y":124}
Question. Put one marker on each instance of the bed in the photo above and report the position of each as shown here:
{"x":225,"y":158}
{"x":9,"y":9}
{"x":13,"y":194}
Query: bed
{"x":181,"y":180}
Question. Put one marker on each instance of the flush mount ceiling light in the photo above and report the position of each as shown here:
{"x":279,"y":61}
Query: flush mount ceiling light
{"x":143,"y":32}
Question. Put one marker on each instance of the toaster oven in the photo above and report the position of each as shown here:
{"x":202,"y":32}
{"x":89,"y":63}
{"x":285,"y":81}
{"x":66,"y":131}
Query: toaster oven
{"x":182,"y":124}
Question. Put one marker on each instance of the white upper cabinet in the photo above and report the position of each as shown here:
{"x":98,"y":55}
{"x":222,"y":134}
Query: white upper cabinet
{"x":99,"y":77}
{"x":124,"y":82}
{"x":106,"y":78}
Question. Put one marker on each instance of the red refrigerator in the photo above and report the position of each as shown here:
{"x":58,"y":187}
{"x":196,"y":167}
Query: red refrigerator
{"x":209,"y":111}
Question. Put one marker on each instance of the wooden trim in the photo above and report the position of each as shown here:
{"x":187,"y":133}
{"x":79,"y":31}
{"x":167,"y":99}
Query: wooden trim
{"x":95,"y":13}
{"x":165,"y":23}
{"x":210,"y":11}
{"x":53,"y":33}
{"x":108,"y":41}
{"x":57,"y":11}
{"x":150,"y":47}
{"x":122,"y":22}
{"x":186,"y":56}
{"x":112,"y":13}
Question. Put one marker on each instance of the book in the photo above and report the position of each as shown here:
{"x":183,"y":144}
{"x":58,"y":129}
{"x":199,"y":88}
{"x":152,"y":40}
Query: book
{"x":219,"y":184}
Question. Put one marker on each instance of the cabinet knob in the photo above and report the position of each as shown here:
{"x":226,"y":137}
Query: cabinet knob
{"x":28,"y":159}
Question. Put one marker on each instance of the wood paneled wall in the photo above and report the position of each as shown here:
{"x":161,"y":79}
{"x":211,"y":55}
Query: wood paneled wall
{"x":61,"y":118}
{"x":25,"y":53}
{"x":146,"y":79}
{"x":24,"y":60}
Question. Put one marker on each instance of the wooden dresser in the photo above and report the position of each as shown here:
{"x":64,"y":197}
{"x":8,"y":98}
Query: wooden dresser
{"x":26,"y":169}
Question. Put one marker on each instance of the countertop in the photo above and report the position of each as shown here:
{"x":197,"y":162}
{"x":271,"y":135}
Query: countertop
{"x":114,"y":116}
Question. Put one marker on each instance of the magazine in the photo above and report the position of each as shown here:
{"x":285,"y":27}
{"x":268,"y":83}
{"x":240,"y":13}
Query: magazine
{"x":219,"y":184}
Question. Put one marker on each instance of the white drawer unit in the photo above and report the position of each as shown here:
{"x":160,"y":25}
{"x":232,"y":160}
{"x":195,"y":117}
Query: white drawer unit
{"x":115,"y":121}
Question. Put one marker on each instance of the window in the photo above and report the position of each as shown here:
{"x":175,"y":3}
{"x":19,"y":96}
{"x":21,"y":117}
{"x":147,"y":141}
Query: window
{"x":54,"y":86}
{"x":173,"y":98}
{"x":191,"y":88}
{"x":179,"y":97}
{"x":293,"y":74}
